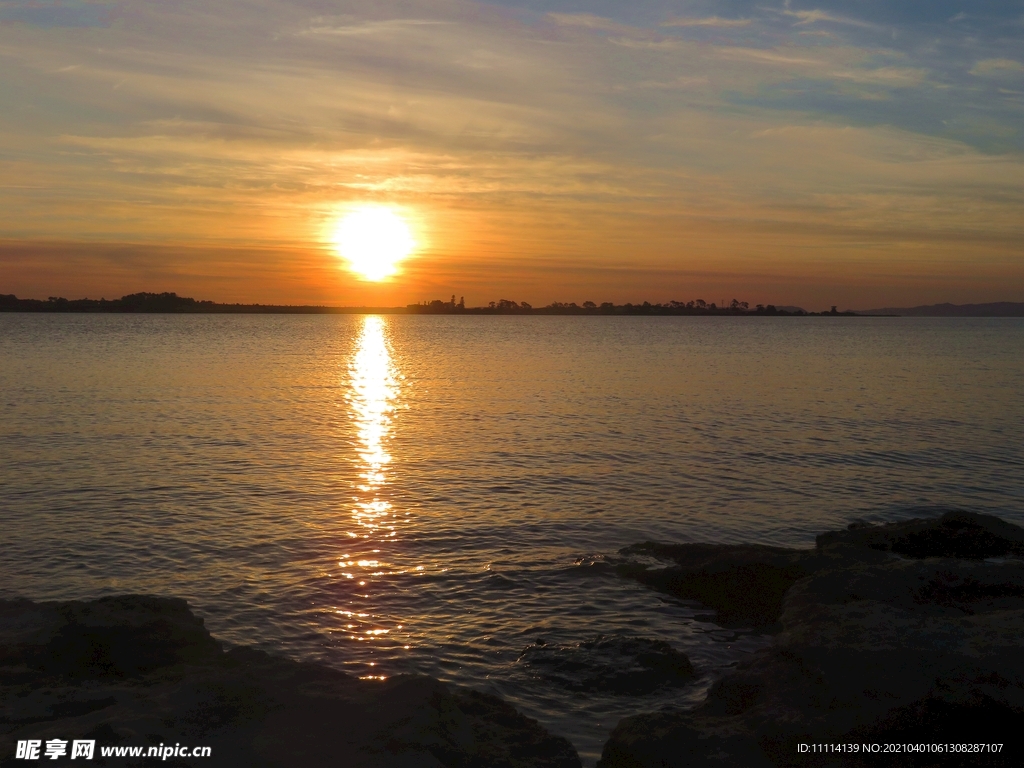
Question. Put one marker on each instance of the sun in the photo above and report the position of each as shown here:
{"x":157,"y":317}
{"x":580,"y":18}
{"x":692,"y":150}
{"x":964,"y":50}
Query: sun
{"x":373,"y":239}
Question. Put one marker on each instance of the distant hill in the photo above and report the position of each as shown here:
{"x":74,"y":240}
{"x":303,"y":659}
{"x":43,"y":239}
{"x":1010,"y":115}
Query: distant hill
{"x":995,"y":309}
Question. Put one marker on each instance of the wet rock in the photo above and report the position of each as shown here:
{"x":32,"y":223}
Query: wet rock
{"x":744,"y":584}
{"x":955,"y":534}
{"x":871,"y":647}
{"x":141,"y":671}
{"x":610,"y":664}
{"x":110,"y":637}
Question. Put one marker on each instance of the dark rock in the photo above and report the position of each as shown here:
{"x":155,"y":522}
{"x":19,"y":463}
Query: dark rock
{"x":140,"y":671}
{"x":498,"y":729}
{"x":955,"y":534}
{"x":936,"y":720}
{"x":744,"y":584}
{"x":610,"y":664}
{"x":119,"y":636}
{"x":668,"y":740}
{"x":872,"y":647}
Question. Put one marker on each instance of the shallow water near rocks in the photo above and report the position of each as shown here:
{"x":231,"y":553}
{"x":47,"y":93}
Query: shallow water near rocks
{"x":435,"y":494}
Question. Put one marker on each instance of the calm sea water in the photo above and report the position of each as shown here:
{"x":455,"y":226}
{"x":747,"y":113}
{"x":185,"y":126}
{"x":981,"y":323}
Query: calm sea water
{"x":394,"y":494}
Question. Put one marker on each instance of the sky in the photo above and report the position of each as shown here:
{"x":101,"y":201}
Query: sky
{"x":860,"y":153}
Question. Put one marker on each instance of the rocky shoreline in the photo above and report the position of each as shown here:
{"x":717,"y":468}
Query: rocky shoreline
{"x":903,"y":633}
{"x":139,"y":671}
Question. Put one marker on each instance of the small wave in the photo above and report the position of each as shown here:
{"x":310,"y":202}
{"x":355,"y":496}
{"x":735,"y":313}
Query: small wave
{"x":615,"y":664}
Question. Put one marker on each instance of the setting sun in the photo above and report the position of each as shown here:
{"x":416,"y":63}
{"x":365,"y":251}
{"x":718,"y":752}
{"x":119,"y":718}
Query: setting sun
{"x":373,"y":239}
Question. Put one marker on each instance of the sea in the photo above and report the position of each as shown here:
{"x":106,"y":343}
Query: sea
{"x":394,"y":494}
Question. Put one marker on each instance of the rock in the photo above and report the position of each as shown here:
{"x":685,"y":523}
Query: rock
{"x":114,"y":637}
{"x":871,"y":647}
{"x":744,"y":584}
{"x":139,"y":671}
{"x":954,"y":534}
{"x":610,"y":664}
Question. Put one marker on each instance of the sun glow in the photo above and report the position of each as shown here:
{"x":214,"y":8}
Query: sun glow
{"x":373,"y":239}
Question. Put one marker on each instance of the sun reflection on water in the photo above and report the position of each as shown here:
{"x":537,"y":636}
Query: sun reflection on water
{"x":372,"y":397}
{"x":374,"y":388}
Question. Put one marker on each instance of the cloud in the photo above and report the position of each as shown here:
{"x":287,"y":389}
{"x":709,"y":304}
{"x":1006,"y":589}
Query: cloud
{"x":815,"y":16}
{"x":679,"y":83}
{"x":626,"y":36}
{"x":765,"y":55}
{"x":588,"y":20}
{"x":996,"y":67}
{"x":899,"y":77}
{"x":654,"y":45}
{"x":710,"y":21}
{"x":372,"y":28}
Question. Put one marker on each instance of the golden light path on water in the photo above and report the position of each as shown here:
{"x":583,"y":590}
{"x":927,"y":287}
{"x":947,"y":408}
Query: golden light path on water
{"x":373,"y":392}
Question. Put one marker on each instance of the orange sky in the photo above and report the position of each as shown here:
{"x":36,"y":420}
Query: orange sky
{"x":769,"y":156}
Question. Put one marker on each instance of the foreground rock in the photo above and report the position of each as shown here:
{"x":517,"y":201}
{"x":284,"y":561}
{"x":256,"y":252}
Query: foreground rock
{"x":136,"y":670}
{"x":903,"y":633}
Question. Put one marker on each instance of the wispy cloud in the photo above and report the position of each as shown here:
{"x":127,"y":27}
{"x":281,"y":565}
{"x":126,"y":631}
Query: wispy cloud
{"x":901,"y":77}
{"x":817,"y":16}
{"x":323,"y":26}
{"x":679,"y":83}
{"x":988,"y":67}
{"x":625,"y":36}
{"x":709,"y":21}
{"x":662,"y":44}
{"x":588,"y":20}
{"x":766,"y":56}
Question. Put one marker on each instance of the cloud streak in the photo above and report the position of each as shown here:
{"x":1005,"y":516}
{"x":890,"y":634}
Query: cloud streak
{"x":708,"y":21}
{"x":818,"y":16}
{"x":990,"y":67}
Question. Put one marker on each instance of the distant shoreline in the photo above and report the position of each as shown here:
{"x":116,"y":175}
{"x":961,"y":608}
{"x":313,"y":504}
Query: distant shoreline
{"x":170,"y":303}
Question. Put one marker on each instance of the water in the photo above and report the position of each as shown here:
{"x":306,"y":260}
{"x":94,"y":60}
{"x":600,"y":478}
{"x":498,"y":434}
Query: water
{"x":434,"y":494}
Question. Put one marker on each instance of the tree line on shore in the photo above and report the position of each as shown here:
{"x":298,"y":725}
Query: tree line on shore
{"x":172,"y":303}
{"x":693,"y":307}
